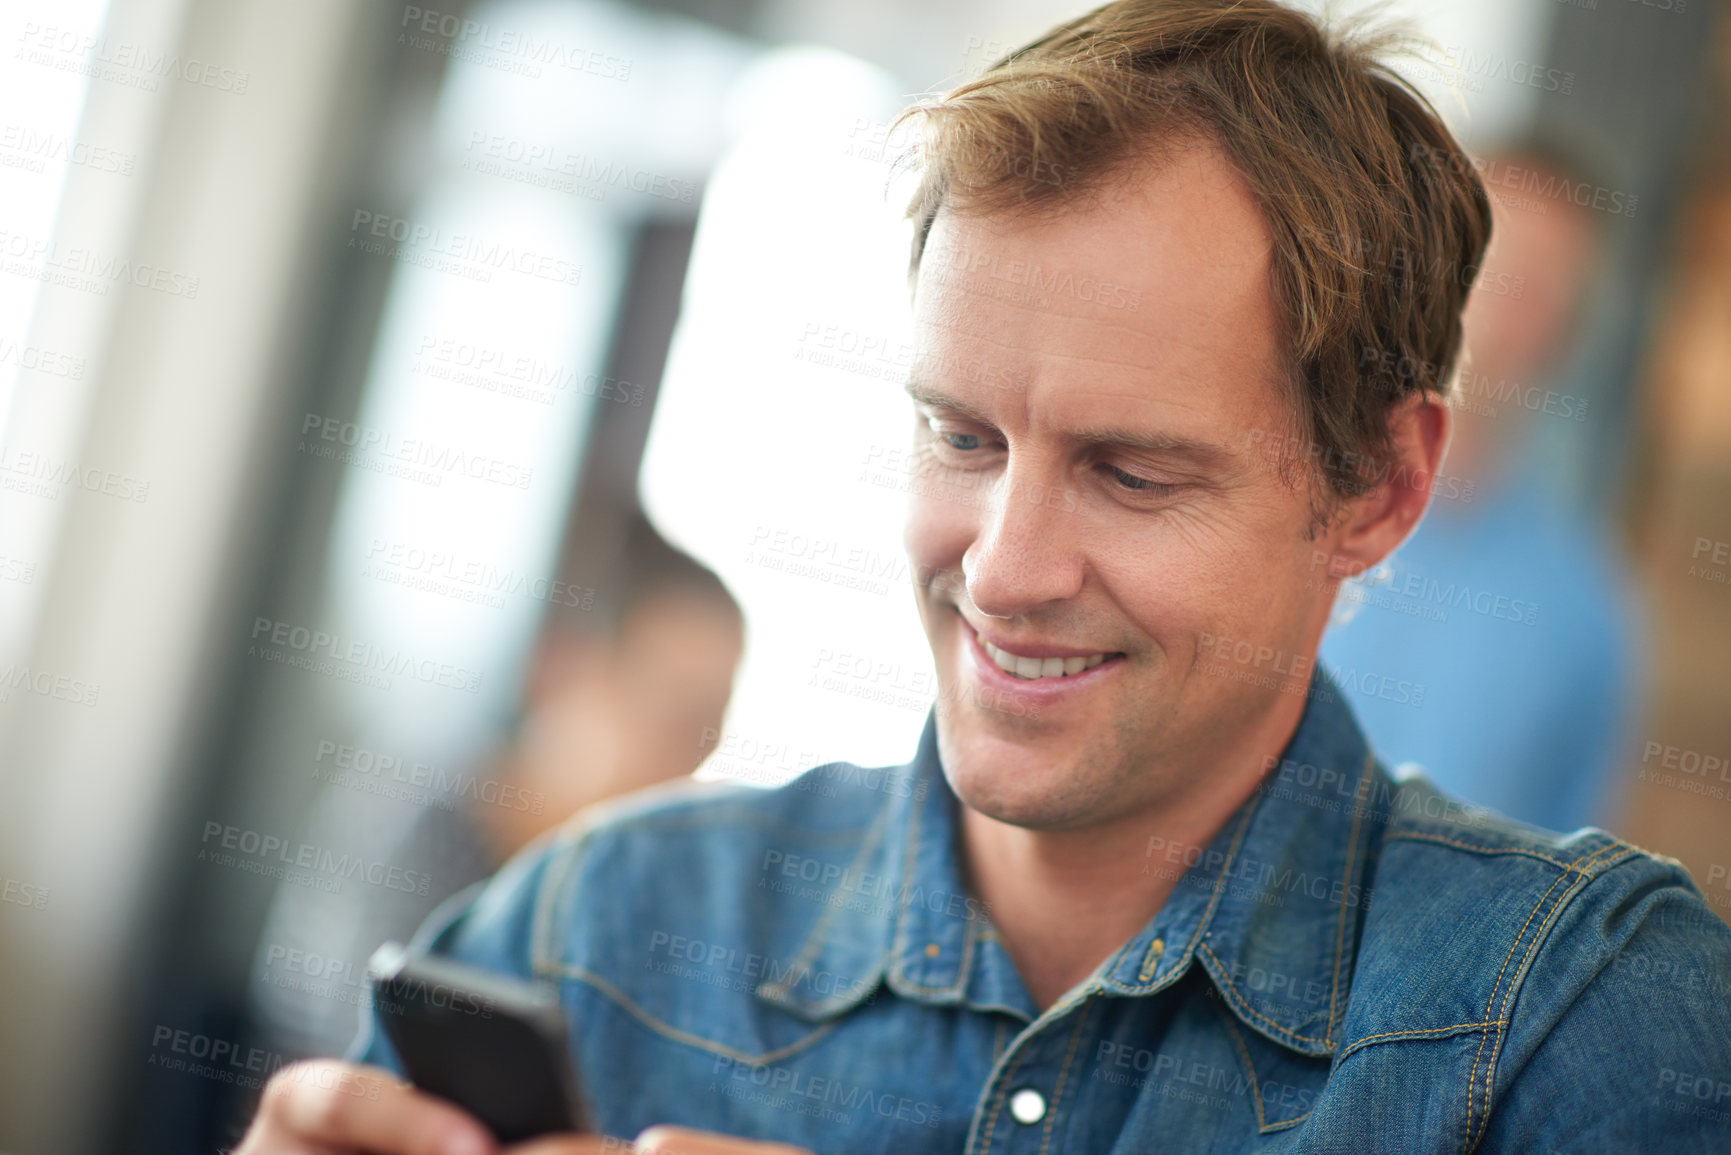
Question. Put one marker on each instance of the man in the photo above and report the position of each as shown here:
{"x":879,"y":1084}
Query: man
{"x":1134,"y":893}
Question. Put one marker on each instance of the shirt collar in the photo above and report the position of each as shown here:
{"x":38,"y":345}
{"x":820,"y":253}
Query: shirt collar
{"x":899,"y":910}
{"x":1270,"y":908}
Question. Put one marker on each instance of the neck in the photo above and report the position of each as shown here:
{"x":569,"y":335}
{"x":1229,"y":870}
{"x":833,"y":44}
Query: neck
{"x":1063,"y":901}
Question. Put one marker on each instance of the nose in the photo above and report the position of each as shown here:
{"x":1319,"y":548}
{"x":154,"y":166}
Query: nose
{"x":1026,"y":555}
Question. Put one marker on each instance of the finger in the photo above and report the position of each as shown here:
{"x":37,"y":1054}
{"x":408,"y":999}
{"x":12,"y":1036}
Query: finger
{"x":573,"y":1145}
{"x":666,"y":1140}
{"x":350,"y":1106}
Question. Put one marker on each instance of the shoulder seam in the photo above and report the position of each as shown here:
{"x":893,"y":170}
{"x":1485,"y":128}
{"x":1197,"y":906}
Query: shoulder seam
{"x":1576,"y":876}
{"x":1427,"y":1032}
{"x":1579,"y":864}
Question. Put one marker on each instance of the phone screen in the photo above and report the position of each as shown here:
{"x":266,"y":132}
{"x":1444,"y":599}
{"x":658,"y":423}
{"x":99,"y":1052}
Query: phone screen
{"x":493,"y":1045}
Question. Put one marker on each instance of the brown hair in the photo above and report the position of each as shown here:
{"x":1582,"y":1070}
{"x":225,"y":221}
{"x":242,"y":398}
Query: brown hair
{"x":1378,"y":218}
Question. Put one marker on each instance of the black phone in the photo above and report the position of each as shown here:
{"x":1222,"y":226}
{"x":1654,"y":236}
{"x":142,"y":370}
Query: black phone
{"x":493,"y":1045}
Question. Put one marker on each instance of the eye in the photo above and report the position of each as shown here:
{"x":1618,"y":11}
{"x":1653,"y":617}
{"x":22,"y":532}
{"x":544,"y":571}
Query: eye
{"x":1140,"y":484}
{"x":955,"y":439}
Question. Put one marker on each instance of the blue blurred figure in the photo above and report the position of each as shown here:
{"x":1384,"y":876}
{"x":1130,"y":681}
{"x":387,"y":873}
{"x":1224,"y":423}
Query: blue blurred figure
{"x":1510,"y":607}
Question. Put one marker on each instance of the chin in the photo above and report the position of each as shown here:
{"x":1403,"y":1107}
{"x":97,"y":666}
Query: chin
{"x":1015,"y":782}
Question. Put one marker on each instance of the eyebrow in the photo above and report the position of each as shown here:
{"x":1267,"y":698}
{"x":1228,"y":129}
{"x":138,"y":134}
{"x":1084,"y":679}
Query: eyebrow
{"x":1165,"y":444}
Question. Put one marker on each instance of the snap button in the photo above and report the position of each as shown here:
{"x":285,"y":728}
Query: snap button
{"x":1027,"y":1105}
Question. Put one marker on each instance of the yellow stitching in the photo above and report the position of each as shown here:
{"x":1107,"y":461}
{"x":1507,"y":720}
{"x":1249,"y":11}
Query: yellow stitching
{"x":1513,"y":946}
{"x":1262,"y":1123}
{"x":1532,"y":949}
{"x":1294,"y":1120}
{"x":1003,"y":1089}
{"x":1473,"y":1076}
{"x":1255,"y":1084}
{"x":1437,"y":1031}
{"x":1516,"y":944}
{"x":916,"y":808}
{"x":1052,"y":1013}
{"x":1415,"y":836}
{"x":969,"y":934}
{"x":1434,"y":1030}
{"x":1577,"y":867}
{"x":1522,"y":932}
{"x":1061,"y":1008}
{"x":1508,"y":995}
{"x":815,"y":942}
{"x":569,"y":838}
{"x":959,"y":987}
{"x":1058,"y":1088}
{"x":1477,"y":847}
{"x":1233,"y":992}
{"x":1219,"y":883}
{"x":1345,"y":880}
{"x":673,"y":1033}
{"x":1327,"y":1039}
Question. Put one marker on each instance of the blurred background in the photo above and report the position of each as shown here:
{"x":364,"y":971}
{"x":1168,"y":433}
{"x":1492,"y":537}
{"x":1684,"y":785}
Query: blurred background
{"x":417,"y":422}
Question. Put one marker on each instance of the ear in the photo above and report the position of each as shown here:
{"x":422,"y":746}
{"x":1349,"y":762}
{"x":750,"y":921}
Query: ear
{"x":1375,"y":523}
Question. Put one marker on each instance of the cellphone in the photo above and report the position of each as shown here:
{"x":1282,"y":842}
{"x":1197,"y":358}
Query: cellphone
{"x":493,"y":1045}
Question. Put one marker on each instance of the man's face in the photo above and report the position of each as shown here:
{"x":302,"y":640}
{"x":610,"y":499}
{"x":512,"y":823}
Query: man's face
{"x":1094,"y":488}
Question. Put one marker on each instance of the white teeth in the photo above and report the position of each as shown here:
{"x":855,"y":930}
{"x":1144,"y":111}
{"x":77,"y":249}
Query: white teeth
{"x":1033,"y":668}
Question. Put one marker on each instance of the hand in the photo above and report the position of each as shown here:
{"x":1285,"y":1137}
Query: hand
{"x":655,"y":1141}
{"x":329,"y":1108}
{"x":324,"y":1107}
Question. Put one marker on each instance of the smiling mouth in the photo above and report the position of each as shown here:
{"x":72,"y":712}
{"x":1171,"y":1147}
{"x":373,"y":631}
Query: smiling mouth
{"x":1038,"y":669}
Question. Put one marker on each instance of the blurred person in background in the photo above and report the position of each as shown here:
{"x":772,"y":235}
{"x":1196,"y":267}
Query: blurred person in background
{"x":1509,"y":605}
{"x":605,"y":715}
{"x":625,"y":694}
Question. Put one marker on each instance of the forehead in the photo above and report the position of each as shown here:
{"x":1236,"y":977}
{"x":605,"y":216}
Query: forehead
{"x":1154,"y":290}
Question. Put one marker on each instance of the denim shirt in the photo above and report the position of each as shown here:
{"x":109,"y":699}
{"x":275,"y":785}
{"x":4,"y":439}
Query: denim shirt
{"x":1355,"y":963}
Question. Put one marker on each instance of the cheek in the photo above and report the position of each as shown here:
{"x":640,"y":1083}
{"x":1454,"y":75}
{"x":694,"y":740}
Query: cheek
{"x":1225,"y":578}
{"x":937,"y":532}
{"x":1267,"y":604}
{"x":1167,"y":605}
